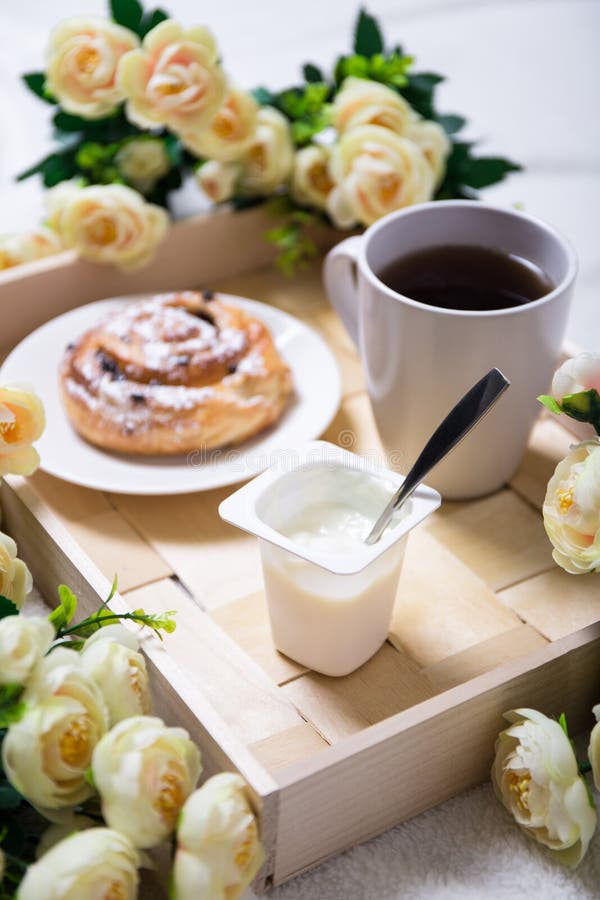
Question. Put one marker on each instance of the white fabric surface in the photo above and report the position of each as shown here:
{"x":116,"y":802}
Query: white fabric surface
{"x":526,"y":73}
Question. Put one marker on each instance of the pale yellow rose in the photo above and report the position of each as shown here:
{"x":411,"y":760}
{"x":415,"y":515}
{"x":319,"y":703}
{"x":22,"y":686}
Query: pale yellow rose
{"x":144,"y":772}
{"x":363,"y":102}
{"x":218,"y":180}
{"x":267,"y":164}
{"x":61,"y":674}
{"x":594,"y":748}
{"x":311,"y":180}
{"x":376,"y":172}
{"x":143,"y":162}
{"x":218,"y":846}
{"x":230,"y":132}
{"x":536,"y":777}
{"x":83,"y":57}
{"x":16,"y":249}
{"x":46,"y":754}
{"x":434,"y":143}
{"x":174,"y":79}
{"x":112,"y":659}
{"x":97,"y":864}
{"x":22,"y":421}
{"x":15,"y":578}
{"x":23,"y":642}
{"x":107,"y":223}
{"x":572,"y":509}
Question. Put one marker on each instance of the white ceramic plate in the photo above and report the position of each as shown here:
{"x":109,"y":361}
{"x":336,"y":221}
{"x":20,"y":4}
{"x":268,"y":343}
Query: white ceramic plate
{"x":63,"y":453}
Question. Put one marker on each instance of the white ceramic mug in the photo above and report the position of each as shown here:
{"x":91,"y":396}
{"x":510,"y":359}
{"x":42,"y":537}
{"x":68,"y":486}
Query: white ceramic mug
{"x":419,"y":360}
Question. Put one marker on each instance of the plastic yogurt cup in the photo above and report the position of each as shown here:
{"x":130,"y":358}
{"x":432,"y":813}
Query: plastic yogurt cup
{"x":330,"y":596}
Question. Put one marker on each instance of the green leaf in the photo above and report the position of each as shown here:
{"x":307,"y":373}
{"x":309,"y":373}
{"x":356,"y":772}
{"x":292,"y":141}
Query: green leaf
{"x":36,"y":82}
{"x":54,"y":168}
{"x":263,"y":96}
{"x":355,"y":66}
{"x":312,"y":73}
{"x":127,"y":13}
{"x":419,"y":92}
{"x":367,"y":35}
{"x":150,"y":20}
{"x":486,"y":170}
{"x":7,"y":607}
{"x":550,"y":403}
{"x":452,"y":123}
{"x":583,"y":406}
{"x":562,"y":721}
{"x":9,"y":693}
{"x":13,"y":841}
{"x":11,"y":714}
{"x":9,"y":797}
{"x":68,"y":601}
{"x":67,"y":122}
{"x":174,"y":149}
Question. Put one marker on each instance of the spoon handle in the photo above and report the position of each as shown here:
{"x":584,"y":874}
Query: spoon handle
{"x":459,"y":421}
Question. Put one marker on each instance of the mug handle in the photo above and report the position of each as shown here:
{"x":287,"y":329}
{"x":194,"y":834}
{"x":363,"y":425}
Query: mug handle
{"x":339,"y":274}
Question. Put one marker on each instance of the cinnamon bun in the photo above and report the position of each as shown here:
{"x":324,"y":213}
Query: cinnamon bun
{"x":173,"y":373}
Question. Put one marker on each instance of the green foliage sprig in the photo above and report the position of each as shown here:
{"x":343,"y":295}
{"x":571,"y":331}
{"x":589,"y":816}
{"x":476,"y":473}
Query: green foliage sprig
{"x":583,"y":406}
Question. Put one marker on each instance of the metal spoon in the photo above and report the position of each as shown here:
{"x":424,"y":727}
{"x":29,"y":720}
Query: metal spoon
{"x":457,"y":424}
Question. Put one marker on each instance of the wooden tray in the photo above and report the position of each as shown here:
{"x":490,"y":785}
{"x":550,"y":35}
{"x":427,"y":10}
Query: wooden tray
{"x":484,"y":622}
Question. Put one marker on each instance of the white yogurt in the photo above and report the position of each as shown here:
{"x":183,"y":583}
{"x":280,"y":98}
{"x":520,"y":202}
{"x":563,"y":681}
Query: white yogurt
{"x":330,"y":596}
{"x":329,"y":622}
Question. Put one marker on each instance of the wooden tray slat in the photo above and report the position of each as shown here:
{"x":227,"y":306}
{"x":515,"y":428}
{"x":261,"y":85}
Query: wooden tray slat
{"x":501,"y":538}
{"x":555,"y":602}
{"x":443,"y":607}
{"x":187,"y":532}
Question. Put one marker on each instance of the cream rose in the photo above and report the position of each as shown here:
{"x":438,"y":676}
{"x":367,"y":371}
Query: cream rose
{"x":311,"y":179}
{"x":112,"y":659}
{"x":107,"y":223}
{"x":97,"y":863}
{"x":594,"y":747}
{"x":174,"y":79}
{"x":15,"y":578}
{"x":364,"y":102}
{"x":23,"y":642}
{"x":230,"y":132}
{"x":218,"y":847}
{"x":83,"y":57}
{"x":46,"y":754}
{"x":580,"y":373}
{"x":268,"y":162}
{"x":218,"y":180}
{"x":143,"y":162}
{"x":22,"y":421}
{"x":16,"y":249}
{"x":536,"y":777}
{"x":434,"y":144}
{"x":61,"y":674}
{"x":376,"y":171}
{"x":572,"y":509}
{"x":144,"y":772}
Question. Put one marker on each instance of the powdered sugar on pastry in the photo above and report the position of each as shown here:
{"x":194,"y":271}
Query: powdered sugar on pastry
{"x":173,"y":373}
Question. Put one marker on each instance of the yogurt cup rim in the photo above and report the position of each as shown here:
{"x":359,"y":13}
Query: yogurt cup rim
{"x":239,"y":508}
